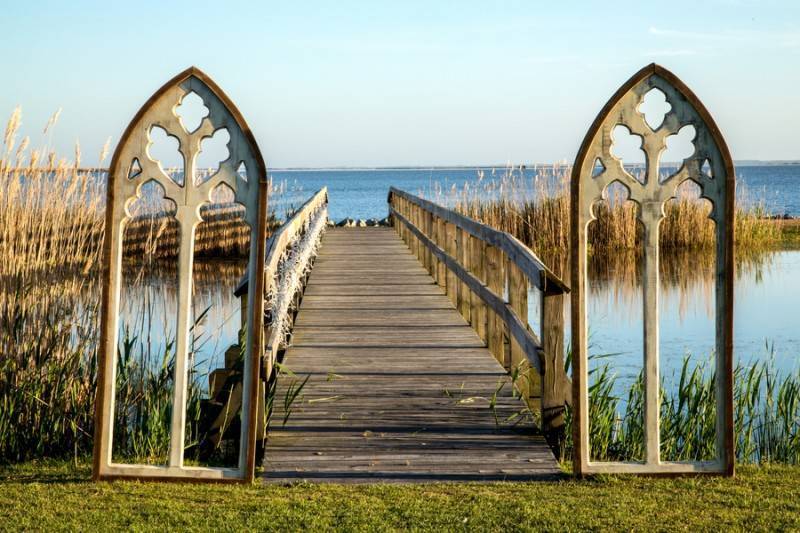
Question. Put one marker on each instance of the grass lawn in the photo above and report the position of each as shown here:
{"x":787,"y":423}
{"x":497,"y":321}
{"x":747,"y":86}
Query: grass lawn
{"x":48,"y":496}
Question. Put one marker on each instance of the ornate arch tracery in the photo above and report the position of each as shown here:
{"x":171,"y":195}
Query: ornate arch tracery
{"x":132,"y":167}
{"x":596,"y":168}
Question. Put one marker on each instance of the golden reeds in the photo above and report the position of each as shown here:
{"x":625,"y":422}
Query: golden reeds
{"x":51,"y":234}
{"x":536,"y":210}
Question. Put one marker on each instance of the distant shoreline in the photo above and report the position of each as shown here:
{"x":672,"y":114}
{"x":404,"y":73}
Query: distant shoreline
{"x":739,"y":164}
{"x":742,"y":163}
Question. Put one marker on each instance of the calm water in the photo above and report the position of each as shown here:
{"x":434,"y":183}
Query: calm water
{"x":767,"y":291}
{"x":362,"y":193}
{"x":765,"y":313}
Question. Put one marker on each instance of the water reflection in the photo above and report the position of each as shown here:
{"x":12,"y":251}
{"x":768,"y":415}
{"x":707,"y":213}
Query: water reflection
{"x":148,"y":307}
{"x":767,"y":289}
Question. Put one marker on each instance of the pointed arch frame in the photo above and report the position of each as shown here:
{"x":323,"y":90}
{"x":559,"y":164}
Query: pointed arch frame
{"x":159,"y":110}
{"x":718,"y":187}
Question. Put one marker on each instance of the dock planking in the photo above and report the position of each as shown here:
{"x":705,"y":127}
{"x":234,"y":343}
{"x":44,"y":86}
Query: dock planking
{"x":401,"y":388}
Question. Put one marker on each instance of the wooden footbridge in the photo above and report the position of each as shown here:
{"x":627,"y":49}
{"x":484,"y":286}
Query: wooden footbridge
{"x":403,"y":354}
{"x":404,"y":365}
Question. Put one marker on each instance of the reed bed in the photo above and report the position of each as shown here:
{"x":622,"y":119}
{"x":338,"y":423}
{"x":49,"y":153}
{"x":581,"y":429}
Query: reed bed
{"x":766,"y":414}
{"x":533,"y":205}
{"x":51,"y":232}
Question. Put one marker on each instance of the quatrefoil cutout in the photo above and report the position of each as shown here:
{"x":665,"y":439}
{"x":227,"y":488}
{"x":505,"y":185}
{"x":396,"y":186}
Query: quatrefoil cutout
{"x":213,"y":152}
{"x":163,"y":149}
{"x":627,"y":147}
{"x":679,"y":147}
{"x":654,"y":106}
{"x":191,"y":111}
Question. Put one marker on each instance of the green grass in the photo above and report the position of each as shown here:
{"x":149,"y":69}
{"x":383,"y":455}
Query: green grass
{"x":56,"y":496}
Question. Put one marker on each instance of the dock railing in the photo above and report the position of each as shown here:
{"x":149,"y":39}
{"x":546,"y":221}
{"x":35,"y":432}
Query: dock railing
{"x":282,"y":298}
{"x":487,"y":274}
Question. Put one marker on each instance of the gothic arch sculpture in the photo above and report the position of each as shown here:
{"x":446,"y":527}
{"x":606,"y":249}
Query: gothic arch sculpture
{"x":595,"y":169}
{"x":131,"y":168}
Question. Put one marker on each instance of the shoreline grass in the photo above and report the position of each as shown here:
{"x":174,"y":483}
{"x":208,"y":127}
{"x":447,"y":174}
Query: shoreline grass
{"x":535,"y":209}
{"x":51,"y":231}
{"x":766,"y":414}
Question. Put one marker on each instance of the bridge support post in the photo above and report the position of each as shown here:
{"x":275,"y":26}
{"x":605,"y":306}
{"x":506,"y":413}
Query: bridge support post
{"x":495,"y":280}
{"x":477,"y":314}
{"x":556,"y":387}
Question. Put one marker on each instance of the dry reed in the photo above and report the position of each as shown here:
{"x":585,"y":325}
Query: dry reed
{"x":535,"y":208}
{"x":51,"y":232}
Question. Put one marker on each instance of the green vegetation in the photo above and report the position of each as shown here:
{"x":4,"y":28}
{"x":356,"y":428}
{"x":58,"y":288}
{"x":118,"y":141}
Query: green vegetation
{"x":56,"y":496}
{"x":51,"y":231}
{"x":766,"y":415}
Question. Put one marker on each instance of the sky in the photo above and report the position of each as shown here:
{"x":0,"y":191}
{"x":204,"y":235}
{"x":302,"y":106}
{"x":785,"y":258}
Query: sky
{"x":423,"y":83}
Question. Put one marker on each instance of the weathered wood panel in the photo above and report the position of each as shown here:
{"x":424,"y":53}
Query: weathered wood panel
{"x":400,"y":386}
{"x":596,"y":168}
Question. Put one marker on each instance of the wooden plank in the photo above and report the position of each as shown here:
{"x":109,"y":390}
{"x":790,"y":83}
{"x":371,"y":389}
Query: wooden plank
{"x":400,"y":387}
{"x":321,"y":289}
{"x":388,"y":317}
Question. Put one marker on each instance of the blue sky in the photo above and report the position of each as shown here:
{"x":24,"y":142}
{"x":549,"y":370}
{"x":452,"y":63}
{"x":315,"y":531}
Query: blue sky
{"x":376,"y":83}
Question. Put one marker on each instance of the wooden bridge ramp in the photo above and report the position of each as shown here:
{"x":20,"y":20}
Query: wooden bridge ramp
{"x":401,"y":389}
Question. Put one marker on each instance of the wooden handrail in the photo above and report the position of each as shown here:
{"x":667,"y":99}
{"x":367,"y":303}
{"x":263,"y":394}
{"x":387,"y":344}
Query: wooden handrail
{"x":283,"y":236}
{"x":539,"y":275}
{"x":486,"y":273}
{"x":276,"y":248}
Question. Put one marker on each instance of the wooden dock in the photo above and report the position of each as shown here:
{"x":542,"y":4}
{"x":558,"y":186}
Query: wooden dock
{"x":401,"y":388}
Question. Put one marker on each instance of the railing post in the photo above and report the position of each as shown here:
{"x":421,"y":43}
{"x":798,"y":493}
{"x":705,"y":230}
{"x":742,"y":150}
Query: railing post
{"x":528,"y":382}
{"x":462,"y":257}
{"x":434,"y":226}
{"x":495,"y":280}
{"x":477,"y":312}
{"x":441,"y":242}
{"x":404,"y":211}
{"x":430,"y":258}
{"x":555,"y":386}
{"x":415,"y":218}
{"x":450,"y":249}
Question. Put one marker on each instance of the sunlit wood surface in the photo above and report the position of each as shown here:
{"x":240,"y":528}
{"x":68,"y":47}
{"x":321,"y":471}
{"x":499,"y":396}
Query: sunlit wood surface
{"x":401,"y":387}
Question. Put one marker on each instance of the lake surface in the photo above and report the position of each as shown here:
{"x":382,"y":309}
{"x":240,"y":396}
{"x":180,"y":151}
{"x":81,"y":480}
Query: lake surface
{"x":767,"y":289}
{"x":362,"y":193}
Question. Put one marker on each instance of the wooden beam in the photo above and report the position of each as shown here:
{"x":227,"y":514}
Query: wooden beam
{"x":517,"y":329}
{"x":531,"y":265}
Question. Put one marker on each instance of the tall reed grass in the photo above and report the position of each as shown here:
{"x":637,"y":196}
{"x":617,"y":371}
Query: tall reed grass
{"x":766,"y":414}
{"x":51,"y":232}
{"x":534,"y":206}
